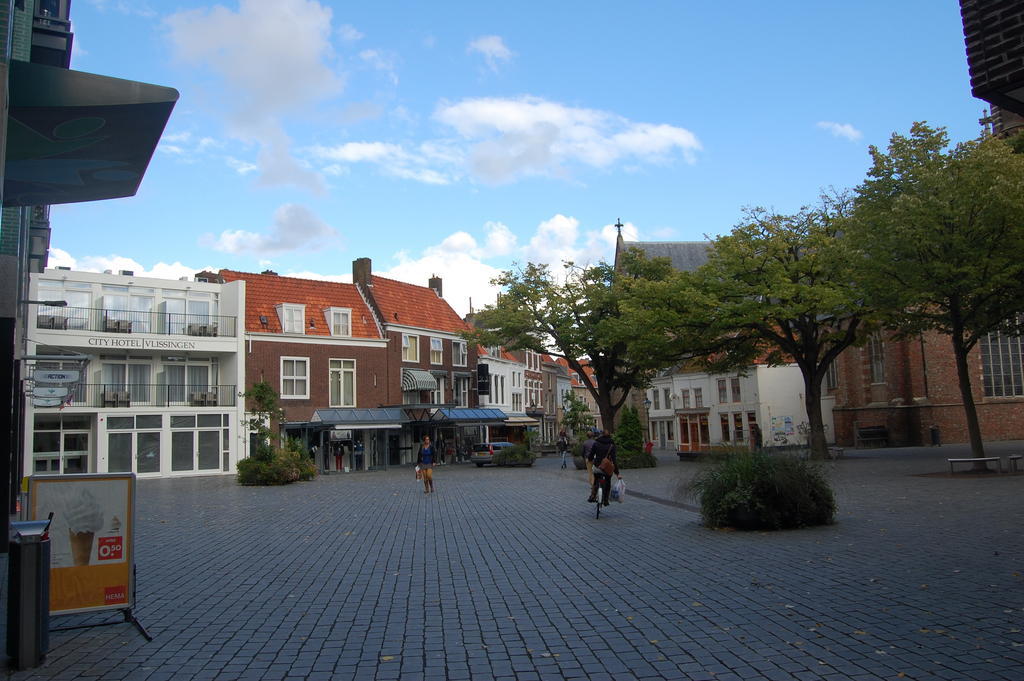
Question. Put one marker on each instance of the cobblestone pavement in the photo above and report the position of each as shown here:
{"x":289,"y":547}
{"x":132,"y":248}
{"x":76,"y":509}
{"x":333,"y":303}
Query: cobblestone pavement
{"x":498,"y":576}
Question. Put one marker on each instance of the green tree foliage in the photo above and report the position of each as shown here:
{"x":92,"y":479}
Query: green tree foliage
{"x":577,"y":317}
{"x":629,"y":442}
{"x":576,"y":417}
{"x":777,"y":289}
{"x":263,"y":409}
{"x":941,"y":232}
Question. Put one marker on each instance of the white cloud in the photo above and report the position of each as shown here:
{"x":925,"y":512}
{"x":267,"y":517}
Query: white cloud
{"x":500,"y":239}
{"x":381,"y":61}
{"x":530,"y":135}
{"x":241,"y":167}
{"x":349,"y":33}
{"x":391,"y":158}
{"x":116,"y":263}
{"x":493,"y":49}
{"x":295,"y":227}
{"x":272,"y":60}
{"x":465,"y":279}
{"x":844,"y":130}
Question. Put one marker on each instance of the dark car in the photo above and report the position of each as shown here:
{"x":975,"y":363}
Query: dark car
{"x":484,"y":451}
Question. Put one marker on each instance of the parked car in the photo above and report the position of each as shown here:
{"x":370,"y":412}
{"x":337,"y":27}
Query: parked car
{"x":483,"y":452}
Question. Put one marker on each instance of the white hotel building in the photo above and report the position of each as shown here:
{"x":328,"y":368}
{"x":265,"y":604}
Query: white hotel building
{"x":159,"y":367}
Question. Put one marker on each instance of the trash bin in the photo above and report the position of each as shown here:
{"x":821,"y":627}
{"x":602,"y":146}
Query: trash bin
{"x":28,"y":594}
{"x":936,"y":441}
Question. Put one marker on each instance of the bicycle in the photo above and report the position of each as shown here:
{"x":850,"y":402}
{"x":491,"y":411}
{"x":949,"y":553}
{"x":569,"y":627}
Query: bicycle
{"x":600,"y":498}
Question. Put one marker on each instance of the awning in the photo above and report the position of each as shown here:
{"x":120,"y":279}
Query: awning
{"x":417,"y":379}
{"x":360,"y":419}
{"x":74,"y":136}
{"x":465,"y":416}
{"x":521,"y":421}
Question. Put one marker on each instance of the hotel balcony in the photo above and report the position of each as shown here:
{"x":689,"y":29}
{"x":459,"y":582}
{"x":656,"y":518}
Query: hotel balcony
{"x":125,"y":321}
{"x":104,"y":395}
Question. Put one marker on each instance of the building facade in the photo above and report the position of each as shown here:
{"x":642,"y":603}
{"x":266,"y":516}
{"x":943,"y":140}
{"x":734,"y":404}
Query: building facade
{"x":691,"y":411}
{"x":133,"y":374}
{"x":910,"y":386}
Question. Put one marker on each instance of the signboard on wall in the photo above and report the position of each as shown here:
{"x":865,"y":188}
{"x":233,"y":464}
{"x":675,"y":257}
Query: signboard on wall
{"x":91,"y":539}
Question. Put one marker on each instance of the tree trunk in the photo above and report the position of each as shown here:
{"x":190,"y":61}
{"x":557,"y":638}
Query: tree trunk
{"x":970,"y":409}
{"x":816,"y":440}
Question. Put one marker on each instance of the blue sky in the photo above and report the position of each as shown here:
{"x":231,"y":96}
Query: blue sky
{"x":458,"y":138}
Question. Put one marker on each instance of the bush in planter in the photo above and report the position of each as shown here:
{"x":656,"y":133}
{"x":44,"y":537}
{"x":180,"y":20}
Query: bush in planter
{"x":271,"y":466}
{"x":629,"y":442}
{"x":758,"y":491}
{"x":518,"y":455}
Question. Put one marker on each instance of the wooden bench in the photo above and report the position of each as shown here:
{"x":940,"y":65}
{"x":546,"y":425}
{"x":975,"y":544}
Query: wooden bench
{"x":1012,"y":462}
{"x":867,"y":435}
{"x":975,"y":459}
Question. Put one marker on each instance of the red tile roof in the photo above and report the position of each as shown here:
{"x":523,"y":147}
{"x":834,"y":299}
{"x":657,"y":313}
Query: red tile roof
{"x":411,"y":305}
{"x":263,"y":292}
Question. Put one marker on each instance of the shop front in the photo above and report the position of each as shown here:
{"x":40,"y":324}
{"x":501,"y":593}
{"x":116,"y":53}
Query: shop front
{"x":347,"y":440}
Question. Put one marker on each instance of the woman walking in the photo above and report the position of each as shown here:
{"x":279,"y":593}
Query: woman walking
{"x":426,"y":463}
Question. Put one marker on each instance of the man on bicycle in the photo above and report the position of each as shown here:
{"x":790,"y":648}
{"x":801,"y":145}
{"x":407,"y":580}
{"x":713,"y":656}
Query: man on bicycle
{"x":603,"y":449}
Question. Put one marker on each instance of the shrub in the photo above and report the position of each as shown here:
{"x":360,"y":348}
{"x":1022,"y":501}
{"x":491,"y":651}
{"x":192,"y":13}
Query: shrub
{"x":519,"y":455}
{"x":277,"y":466}
{"x":758,"y":491}
{"x":629,"y":442}
{"x":635,"y":459}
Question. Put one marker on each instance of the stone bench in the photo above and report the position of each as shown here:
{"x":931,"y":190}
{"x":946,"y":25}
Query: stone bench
{"x":976,"y":459}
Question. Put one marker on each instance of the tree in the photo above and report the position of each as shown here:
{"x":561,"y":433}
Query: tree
{"x":263,"y":410}
{"x":941,"y":232}
{"x":576,"y":417}
{"x":577,"y":319}
{"x":777,"y":289}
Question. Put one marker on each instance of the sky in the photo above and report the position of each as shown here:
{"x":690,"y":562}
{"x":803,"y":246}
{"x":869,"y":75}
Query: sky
{"x":464,"y":138}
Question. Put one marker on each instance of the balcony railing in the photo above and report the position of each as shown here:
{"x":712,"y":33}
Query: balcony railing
{"x":151,"y":395}
{"x":126,"y":321}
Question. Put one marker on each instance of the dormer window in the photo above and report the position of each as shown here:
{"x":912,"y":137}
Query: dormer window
{"x":293,"y":317}
{"x":339,"y":320}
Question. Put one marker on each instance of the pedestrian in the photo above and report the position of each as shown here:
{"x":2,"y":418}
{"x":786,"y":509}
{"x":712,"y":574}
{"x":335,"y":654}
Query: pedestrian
{"x":755,"y":436}
{"x":588,"y":455}
{"x":426,"y":463}
{"x":649,"y":447}
{"x":603,"y":449}
{"x":563,"y":446}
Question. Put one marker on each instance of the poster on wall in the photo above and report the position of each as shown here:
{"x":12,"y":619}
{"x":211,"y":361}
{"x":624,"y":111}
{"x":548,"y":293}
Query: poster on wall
{"x":91,"y":540}
{"x":783,"y":430}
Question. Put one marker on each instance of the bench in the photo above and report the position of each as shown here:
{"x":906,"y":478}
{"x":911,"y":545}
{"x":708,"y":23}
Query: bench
{"x":976,"y":459}
{"x":867,"y":435}
{"x":836,"y":452}
{"x":116,"y":398}
{"x":1013,"y":461}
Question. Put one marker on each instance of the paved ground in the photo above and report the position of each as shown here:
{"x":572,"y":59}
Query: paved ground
{"x":504,"y":574}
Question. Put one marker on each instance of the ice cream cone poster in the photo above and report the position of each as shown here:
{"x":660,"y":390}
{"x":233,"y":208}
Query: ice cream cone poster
{"x":90,"y":539}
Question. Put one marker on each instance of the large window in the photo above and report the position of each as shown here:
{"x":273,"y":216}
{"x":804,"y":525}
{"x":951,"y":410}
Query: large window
{"x":461,"y":387}
{"x":736,"y":395}
{"x":295,"y":377}
{"x":1002,"y":358}
{"x":410,"y":348}
{"x":459,"y":356}
{"x":343,"y":382}
{"x":876,"y":359}
{"x":723,"y":395}
{"x":698,"y":398}
{"x":60,"y":443}
{"x":437,"y":396}
{"x":832,"y":376}
{"x":436,"y":351}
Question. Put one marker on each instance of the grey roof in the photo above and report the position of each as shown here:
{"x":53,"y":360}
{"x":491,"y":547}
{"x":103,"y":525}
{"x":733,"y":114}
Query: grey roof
{"x":684,"y":255}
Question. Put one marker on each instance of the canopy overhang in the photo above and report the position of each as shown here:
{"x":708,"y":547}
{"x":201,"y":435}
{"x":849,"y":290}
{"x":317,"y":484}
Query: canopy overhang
{"x":417,"y":379}
{"x":383,"y":418}
{"x":75,"y":136}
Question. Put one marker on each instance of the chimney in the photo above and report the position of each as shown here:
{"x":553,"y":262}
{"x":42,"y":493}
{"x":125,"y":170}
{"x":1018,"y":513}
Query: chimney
{"x":361,"y":272}
{"x":435,"y":283}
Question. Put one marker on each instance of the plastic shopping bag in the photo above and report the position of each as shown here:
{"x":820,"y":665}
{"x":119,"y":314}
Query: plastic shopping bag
{"x":619,"y":490}
{"x":419,"y":473}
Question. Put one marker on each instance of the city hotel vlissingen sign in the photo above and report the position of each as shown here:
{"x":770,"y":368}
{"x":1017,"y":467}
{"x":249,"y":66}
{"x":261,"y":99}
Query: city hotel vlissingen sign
{"x":142,"y":343}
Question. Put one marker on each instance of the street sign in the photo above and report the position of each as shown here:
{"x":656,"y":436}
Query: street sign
{"x":47,"y":391}
{"x":55,"y":376}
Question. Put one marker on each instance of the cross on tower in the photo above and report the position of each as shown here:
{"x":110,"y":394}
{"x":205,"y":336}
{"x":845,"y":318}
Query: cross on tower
{"x":618,"y":225}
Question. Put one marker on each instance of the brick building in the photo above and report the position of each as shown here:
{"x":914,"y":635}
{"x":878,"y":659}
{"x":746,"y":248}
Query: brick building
{"x":910,"y":386}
